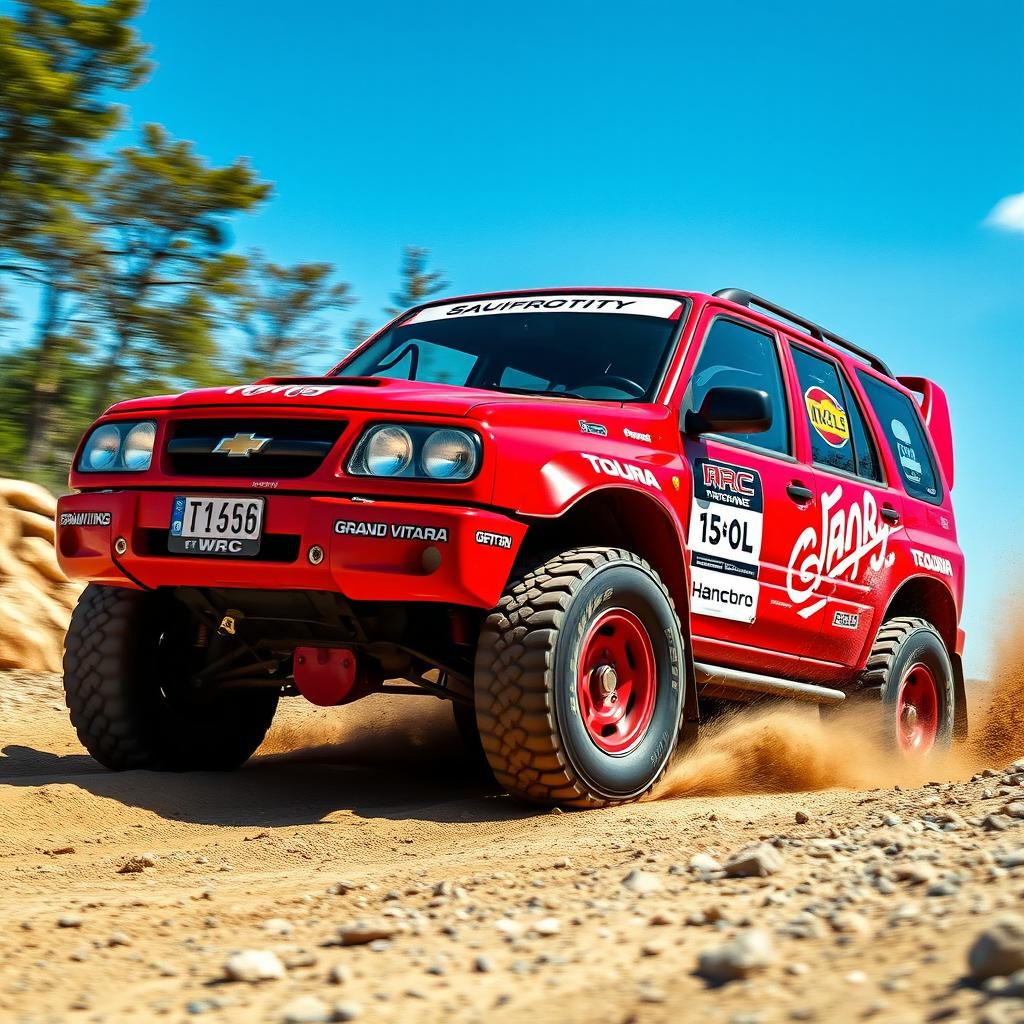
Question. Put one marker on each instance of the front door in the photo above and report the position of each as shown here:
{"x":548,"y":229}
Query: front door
{"x":751,"y":502}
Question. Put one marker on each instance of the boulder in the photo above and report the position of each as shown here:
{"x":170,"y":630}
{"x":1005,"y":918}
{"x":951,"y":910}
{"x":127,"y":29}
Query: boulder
{"x":36,"y":599}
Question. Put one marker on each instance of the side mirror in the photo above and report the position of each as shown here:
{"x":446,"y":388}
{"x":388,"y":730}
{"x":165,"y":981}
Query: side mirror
{"x":730,"y":411}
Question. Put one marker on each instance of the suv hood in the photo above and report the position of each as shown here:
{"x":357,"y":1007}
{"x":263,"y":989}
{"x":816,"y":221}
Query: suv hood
{"x":374,"y":394}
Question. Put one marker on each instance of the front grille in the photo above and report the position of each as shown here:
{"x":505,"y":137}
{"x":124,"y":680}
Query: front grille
{"x":281,"y":449}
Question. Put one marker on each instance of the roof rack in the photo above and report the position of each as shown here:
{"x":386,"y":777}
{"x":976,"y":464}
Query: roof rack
{"x":749,"y":299}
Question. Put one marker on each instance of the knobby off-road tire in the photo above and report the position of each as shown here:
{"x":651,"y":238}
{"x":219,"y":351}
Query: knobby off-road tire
{"x":124,"y":675}
{"x":910,"y":670}
{"x":554,"y":620}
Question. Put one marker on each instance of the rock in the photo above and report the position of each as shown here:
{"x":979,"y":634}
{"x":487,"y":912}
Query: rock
{"x":757,"y":861}
{"x":306,"y":1010}
{"x":914,"y":874}
{"x":29,"y":497}
{"x":998,"y":949}
{"x":748,"y":953}
{"x":547,"y":926}
{"x":704,"y":864}
{"x":70,"y":921}
{"x":482,"y":965}
{"x":642,"y":883}
{"x":137,"y":864}
{"x":362,"y":933}
{"x":119,"y":939}
{"x":254,"y":965}
{"x":277,"y":926}
{"x":35,"y":597}
{"x":1014,"y":809}
{"x":802,"y":817}
{"x":339,"y":975}
{"x":347,"y":1010}
{"x":848,"y":922}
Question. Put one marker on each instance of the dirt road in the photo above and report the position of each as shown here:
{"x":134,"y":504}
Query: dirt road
{"x":124,"y":897}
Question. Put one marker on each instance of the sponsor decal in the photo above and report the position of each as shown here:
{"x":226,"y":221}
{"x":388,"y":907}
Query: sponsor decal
{"x":283,"y":390}
{"x":839,"y":546}
{"x":625,"y":470}
{"x":635,"y":305}
{"x":210,"y":546}
{"x":905,"y":450}
{"x":241,"y":446}
{"x":635,"y":435}
{"x":593,"y":428}
{"x":933,"y":563}
{"x":394,"y":531}
{"x":827,"y":416}
{"x":266,"y":485}
{"x":846,"y":620}
{"x":85,"y":519}
{"x":493,"y":540}
{"x":724,"y":538}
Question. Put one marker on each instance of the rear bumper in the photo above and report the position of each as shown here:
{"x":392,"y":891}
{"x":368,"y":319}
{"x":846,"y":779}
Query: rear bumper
{"x":458,"y":555}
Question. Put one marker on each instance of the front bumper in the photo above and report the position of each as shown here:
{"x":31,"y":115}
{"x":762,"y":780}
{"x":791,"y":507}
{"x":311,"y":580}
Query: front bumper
{"x":457,"y":556}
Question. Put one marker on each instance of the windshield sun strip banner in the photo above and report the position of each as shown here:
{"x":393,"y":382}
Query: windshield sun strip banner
{"x":635,"y":305}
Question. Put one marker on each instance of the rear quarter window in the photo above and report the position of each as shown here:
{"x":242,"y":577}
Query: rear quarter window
{"x":903,"y":431}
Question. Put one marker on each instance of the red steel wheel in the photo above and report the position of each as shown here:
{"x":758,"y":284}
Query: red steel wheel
{"x":616,"y":682}
{"x":917,"y":710}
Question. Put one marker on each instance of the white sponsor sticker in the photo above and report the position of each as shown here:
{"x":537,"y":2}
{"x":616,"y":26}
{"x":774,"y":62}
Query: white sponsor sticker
{"x":726,"y":526}
{"x":634,"y":305}
{"x":933,"y":563}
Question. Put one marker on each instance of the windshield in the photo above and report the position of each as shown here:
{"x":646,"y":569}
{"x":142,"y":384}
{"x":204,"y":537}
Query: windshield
{"x":609,"y":347}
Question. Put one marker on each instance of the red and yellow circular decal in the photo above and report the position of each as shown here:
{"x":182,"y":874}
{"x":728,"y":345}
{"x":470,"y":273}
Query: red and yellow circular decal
{"x":827,"y":417}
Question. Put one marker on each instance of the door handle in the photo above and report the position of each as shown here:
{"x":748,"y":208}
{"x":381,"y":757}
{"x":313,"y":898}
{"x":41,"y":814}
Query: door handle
{"x":891,"y":514}
{"x":800,"y":494}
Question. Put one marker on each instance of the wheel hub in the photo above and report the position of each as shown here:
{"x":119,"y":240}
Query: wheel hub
{"x":606,"y":680}
{"x":616,"y":681}
{"x":917,"y":710}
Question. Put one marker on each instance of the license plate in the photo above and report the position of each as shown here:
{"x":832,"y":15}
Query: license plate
{"x":216,"y":526}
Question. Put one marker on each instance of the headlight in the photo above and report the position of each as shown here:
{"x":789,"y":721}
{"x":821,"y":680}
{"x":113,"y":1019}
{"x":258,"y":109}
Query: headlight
{"x":449,"y":455}
{"x":138,"y":446}
{"x":416,"y":451}
{"x":119,"y":448}
{"x":388,"y":451}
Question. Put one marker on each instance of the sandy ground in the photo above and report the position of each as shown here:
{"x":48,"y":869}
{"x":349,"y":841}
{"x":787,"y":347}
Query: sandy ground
{"x":483,"y":909}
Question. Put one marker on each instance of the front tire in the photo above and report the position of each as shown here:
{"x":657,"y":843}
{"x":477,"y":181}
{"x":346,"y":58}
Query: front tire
{"x":579,"y":680}
{"x":125,"y":670}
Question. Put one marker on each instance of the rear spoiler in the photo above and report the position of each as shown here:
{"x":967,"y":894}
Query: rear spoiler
{"x":935,"y":412}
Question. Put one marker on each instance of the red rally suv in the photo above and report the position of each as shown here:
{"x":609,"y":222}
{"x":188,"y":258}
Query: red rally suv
{"x":585,"y":517}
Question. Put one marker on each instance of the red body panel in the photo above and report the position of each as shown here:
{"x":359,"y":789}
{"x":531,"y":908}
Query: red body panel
{"x":538,"y":461}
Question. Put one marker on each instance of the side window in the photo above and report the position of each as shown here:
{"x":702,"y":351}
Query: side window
{"x":739,"y":356}
{"x":903,"y":432}
{"x":839,"y":436}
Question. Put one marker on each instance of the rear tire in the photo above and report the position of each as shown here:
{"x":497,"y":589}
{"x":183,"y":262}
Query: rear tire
{"x":125,"y":670}
{"x":579,"y":680}
{"x":910,"y":669}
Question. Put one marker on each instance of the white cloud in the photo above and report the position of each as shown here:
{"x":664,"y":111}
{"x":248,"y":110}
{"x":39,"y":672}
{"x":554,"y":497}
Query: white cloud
{"x":1008,"y":214}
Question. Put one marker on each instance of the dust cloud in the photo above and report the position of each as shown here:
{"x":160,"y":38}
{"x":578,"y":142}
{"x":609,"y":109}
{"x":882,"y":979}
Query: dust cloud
{"x":786,"y":749}
{"x":388,"y":731}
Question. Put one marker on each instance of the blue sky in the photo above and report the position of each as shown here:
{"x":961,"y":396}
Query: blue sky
{"x":841,"y":159}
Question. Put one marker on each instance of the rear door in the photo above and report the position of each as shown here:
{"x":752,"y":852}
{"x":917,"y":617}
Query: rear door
{"x":751,"y":502}
{"x":842,"y":566}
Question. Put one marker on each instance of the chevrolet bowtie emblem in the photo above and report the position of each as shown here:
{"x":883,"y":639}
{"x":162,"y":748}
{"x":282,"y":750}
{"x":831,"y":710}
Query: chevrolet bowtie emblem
{"x":241,"y":446}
